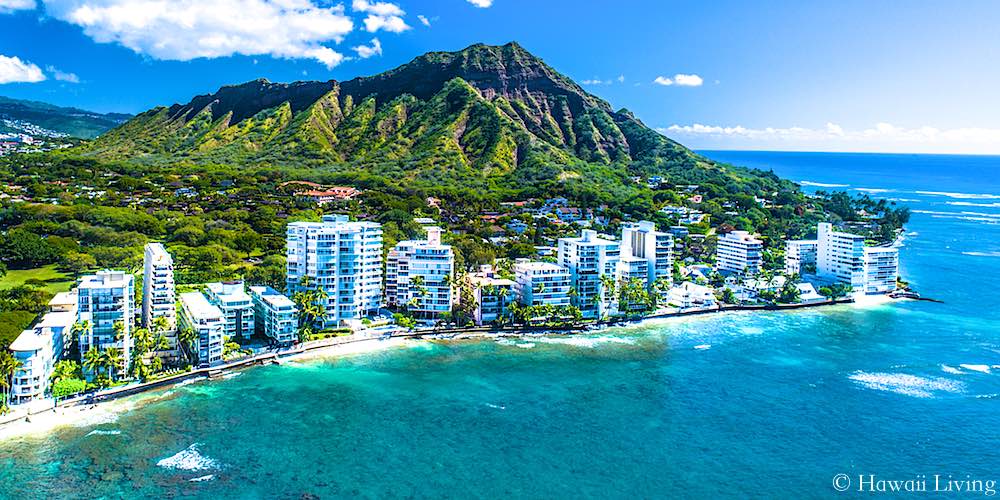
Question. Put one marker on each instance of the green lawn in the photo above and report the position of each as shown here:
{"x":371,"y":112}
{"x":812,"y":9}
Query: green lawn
{"x":55,"y":280}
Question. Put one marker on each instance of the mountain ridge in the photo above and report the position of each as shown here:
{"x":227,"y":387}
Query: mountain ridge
{"x":72,"y":121}
{"x":485,"y":113}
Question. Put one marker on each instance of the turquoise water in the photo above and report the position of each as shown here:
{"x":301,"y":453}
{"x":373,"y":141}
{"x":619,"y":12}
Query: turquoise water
{"x":743,"y":405}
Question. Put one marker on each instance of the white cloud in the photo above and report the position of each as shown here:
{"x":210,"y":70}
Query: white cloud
{"x":595,"y":81}
{"x":62,"y":76}
{"x":7,"y":6}
{"x":482,"y":4}
{"x":182,"y":30}
{"x":381,"y":16}
{"x":679,"y":79}
{"x":366,"y":51}
{"x":621,"y":78}
{"x":14,"y":70}
{"x":424,"y":20}
{"x":688,"y":80}
{"x":881,"y":137}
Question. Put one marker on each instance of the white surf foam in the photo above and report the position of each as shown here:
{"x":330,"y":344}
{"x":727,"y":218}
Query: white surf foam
{"x":702,"y":347}
{"x":232,"y":375}
{"x":497,"y":407}
{"x":960,"y":196}
{"x":973,"y":204}
{"x":976,"y":368}
{"x":906,"y":384}
{"x":188,"y":459}
{"x":583,"y":341}
{"x":822,"y":184}
{"x":199,"y":479}
{"x":102,"y":432}
{"x":982,"y":254}
{"x":525,"y":345}
{"x":951,"y":369}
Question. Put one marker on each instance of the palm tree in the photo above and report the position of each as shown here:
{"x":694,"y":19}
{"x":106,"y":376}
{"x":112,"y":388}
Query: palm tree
{"x":92,"y":360}
{"x":8,"y":366}
{"x":186,"y":341}
{"x":65,"y":370}
{"x":112,"y":360}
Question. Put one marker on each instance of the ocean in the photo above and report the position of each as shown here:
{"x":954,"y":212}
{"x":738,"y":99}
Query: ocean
{"x":759,"y":405}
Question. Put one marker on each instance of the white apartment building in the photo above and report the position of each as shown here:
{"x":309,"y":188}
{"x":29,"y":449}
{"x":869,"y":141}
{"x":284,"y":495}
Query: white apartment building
{"x":38,"y":349}
{"x":208,"y":323}
{"x":800,"y":257}
{"x":541,"y":283}
{"x":33,"y":349}
{"x":65,"y":304}
{"x":588,"y":258}
{"x":104,"y":299}
{"x":739,"y":252}
{"x":237,"y":307}
{"x":688,"y":294}
{"x":881,"y":269}
{"x":159,"y":298}
{"x":493,"y":295}
{"x":275,"y":315}
{"x":341,"y":257}
{"x":840,"y":257}
{"x":843,"y":258}
{"x":417,"y":276}
{"x":642,"y":241}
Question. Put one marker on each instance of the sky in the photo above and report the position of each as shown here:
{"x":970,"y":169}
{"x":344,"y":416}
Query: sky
{"x":886,"y":76}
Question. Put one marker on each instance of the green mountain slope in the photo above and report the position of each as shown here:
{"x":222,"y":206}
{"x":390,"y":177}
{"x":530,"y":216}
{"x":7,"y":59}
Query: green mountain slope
{"x":478,"y":116}
{"x":72,"y":121}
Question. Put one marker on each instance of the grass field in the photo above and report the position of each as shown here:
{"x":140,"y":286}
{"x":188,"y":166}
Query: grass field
{"x":55,"y":280}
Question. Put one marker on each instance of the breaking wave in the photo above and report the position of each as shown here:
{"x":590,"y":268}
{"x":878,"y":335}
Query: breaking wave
{"x":580,"y":341}
{"x":906,"y":384}
{"x":189,"y":459}
{"x":821,"y":184}
{"x":960,"y":196}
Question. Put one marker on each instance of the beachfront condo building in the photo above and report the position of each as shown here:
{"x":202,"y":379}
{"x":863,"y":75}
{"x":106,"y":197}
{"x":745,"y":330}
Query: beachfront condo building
{"x":541,"y":283}
{"x":418,"y":276}
{"x":65,"y":303}
{"x":588,"y":258}
{"x":688,"y":295}
{"x":159,"y":299}
{"x":843,"y":258}
{"x":492,"y":293}
{"x":37,"y":350}
{"x":641,"y":240}
{"x":342,"y":258}
{"x":800,"y":257}
{"x":104,"y":300}
{"x":231,"y":298}
{"x":208,"y":323}
{"x":881,"y":269}
{"x":840,"y":256}
{"x":739,"y":252}
{"x":275,"y":315}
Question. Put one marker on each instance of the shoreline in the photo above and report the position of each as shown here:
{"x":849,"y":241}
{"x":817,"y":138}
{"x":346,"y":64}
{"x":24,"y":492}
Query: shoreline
{"x":106,"y":407}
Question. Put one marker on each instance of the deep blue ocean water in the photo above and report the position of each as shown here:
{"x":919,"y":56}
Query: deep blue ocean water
{"x":767,"y":405}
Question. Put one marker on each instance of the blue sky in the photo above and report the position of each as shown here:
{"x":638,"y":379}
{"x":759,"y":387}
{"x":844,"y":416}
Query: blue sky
{"x":840,"y":76}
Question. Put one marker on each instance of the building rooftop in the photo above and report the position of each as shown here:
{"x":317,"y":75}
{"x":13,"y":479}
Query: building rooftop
{"x":199,"y":306}
{"x":64,"y":299}
{"x":29,"y":341}
{"x":106,"y":279}
{"x":272,"y":296}
{"x":229,"y":290}
{"x":57,"y":319}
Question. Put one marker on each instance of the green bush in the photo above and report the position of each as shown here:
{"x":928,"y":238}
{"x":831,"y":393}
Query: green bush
{"x":68,"y":387}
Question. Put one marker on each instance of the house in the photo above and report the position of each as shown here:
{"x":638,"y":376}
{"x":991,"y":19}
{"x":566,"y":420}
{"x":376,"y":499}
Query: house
{"x":688,"y":295}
